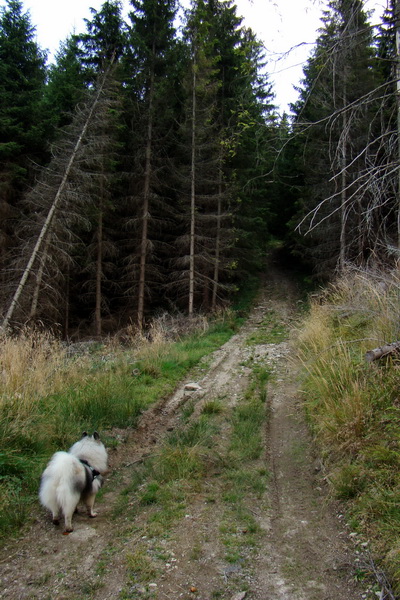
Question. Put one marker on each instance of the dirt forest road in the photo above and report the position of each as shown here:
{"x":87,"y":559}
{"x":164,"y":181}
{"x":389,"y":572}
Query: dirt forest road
{"x":294,"y":544}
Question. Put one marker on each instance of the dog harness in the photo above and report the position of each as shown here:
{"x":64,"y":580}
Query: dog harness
{"x":92,"y":470}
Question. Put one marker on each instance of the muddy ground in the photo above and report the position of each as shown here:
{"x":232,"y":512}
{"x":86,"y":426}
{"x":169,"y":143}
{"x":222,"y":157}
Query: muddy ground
{"x":303,"y":548}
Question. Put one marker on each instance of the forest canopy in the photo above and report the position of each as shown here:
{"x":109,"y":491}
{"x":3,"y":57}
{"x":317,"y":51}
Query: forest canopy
{"x":147,"y":168}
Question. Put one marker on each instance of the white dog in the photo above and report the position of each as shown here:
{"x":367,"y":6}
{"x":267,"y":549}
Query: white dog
{"x":74,"y":476}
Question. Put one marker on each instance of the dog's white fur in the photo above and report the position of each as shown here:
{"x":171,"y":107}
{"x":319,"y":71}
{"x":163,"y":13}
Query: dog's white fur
{"x":67,"y":480}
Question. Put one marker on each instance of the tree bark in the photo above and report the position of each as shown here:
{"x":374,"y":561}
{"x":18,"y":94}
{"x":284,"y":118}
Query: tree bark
{"x":39,"y":277}
{"x":192,"y":197}
{"x":99,"y":274}
{"x":382,"y":351}
{"x":343,"y":195}
{"x":66,"y":315}
{"x":217,"y":242}
{"x":397,"y":26}
{"x":146,"y":202}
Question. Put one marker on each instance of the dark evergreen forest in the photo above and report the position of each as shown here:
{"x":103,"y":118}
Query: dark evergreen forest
{"x":148,"y":169}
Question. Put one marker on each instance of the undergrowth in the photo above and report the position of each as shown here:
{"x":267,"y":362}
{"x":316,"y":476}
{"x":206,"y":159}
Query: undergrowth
{"x":49,"y":395}
{"x":353,"y":405}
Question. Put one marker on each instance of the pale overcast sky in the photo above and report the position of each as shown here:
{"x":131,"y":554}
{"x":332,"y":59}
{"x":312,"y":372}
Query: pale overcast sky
{"x":288,"y":29}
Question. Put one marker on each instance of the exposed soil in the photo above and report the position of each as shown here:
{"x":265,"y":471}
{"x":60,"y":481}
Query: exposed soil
{"x":304,"y":549}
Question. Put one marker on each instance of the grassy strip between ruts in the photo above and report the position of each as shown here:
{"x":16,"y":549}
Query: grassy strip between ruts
{"x":194,"y":466}
{"x":48,"y":397}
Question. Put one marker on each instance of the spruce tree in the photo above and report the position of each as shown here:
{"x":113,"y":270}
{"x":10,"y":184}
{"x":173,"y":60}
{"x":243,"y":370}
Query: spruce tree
{"x":66,"y":83}
{"x":23,"y":126}
{"x":101,"y":51}
{"x":233,"y":150}
{"x":150,"y":92}
{"x":197,"y":256}
{"x":335,"y":119}
{"x":63,"y":258}
{"x":253,"y":159}
{"x":385,"y":210}
{"x":105,"y":38}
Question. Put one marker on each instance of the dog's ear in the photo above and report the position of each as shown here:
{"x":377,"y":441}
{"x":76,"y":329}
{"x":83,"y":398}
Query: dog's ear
{"x":84,"y":434}
{"x":96,"y":435}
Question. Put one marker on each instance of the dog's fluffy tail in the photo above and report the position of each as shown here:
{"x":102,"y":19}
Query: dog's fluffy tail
{"x":61,"y":483}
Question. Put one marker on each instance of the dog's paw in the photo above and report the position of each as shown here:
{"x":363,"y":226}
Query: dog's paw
{"x":67,"y":531}
{"x":92,"y":514}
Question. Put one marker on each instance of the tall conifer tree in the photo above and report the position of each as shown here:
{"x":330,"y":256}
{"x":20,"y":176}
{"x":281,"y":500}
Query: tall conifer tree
{"x":333,"y":115}
{"x":23,"y":123}
{"x":66,"y":84}
{"x":150,"y":88}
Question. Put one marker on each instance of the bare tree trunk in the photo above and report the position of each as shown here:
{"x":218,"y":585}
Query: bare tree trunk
{"x":39,"y":277}
{"x":48,"y":221}
{"x":99,"y":274}
{"x":397,"y":25}
{"x":382,"y":351}
{"x":217,"y":242}
{"x":146,"y":204}
{"x":192,"y":197}
{"x":343,"y":195}
{"x":66,"y":316}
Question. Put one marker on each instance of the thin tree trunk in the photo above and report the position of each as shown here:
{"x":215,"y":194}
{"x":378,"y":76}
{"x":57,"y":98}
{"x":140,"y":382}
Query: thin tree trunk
{"x":343,"y":196}
{"x":146,"y":204}
{"x":66,"y":316}
{"x":192,"y":197}
{"x":39,"y":278}
{"x":99,"y":274}
{"x":48,"y":221}
{"x":397,"y":25}
{"x":217,"y":243}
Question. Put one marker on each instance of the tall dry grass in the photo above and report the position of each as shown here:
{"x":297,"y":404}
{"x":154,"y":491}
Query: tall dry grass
{"x":354,"y":406}
{"x":30,"y":364}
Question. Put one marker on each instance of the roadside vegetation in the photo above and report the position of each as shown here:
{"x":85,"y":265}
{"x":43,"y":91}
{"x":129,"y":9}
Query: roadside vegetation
{"x":353,"y":405}
{"x":51,"y":392}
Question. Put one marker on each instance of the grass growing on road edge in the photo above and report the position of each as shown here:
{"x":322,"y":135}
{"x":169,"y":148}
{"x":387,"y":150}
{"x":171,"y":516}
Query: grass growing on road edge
{"x":48,"y":397}
{"x":354,"y":407}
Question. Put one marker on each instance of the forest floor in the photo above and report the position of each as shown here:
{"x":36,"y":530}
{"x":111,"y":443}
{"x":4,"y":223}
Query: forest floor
{"x":296,"y":546}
